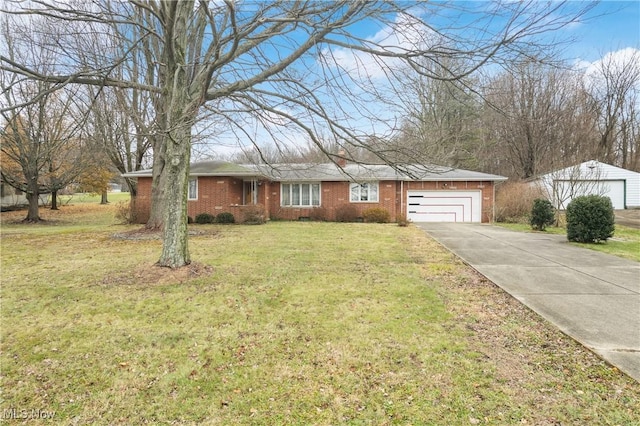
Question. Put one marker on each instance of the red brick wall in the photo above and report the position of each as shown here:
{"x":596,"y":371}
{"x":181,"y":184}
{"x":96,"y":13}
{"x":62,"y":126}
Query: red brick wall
{"x":333,"y":195}
{"x":143,"y":200}
{"x":225,"y":194}
{"x":215,"y":195}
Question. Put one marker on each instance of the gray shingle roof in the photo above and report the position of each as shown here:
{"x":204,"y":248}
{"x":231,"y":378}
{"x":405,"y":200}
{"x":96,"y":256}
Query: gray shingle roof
{"x":332,"y":172}
{"x":369,"y":172}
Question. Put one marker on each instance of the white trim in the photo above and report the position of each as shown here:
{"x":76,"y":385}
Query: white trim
{"x":192,"y":178}
{"x":299,"y":205}
{"x":353,"y":185}
{"x":444,"y":205}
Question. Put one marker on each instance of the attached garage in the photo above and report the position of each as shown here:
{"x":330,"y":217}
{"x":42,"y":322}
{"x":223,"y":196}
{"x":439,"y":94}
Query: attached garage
{"x":444,"y":206}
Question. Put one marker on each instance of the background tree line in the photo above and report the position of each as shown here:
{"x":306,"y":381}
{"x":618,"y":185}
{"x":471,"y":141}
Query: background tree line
{"x":527,"y":120}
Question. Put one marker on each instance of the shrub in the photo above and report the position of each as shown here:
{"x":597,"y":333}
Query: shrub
{"x":376,"y":215}
{"x":318,"y":214}
{"x":542,"y":214}
{"x":514,"y":200}
{"x":225,"y":217}
{"x":203,"y":218}
{"x":402,"y":221}
{"x":125,"y":212}
{"x":253,"y":215}
{"x":346,"y":213}
{"x":590,"y":218}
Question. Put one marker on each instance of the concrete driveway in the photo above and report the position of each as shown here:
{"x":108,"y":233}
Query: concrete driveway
{"x":591,"y":296}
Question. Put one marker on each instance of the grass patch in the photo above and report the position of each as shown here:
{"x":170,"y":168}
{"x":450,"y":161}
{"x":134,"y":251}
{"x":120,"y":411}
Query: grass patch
{"x":287,"y":323}
{"x":624,"y":243}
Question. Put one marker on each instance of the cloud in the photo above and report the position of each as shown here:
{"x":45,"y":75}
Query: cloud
{"x":402,"y":35}
{"x":618,"y":58}
{"x":618,"y":62}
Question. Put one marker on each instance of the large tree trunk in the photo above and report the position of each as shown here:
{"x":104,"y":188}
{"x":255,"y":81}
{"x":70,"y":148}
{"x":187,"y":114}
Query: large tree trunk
{"x":175,"y":248}
{"x":33,"y":196}
{"x":177,"y":111}
{"x":156,"y":214}
{"x":54,"y":200}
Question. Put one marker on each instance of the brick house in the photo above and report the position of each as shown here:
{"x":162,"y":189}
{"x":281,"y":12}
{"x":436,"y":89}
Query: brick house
{"x":299,"y":191}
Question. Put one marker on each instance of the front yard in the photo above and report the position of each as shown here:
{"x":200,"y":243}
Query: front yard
{"x":624,"y":243}
{"x":285,"y":323}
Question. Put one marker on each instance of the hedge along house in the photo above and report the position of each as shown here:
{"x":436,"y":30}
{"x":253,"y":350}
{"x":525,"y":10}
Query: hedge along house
{"x":301,"y":191}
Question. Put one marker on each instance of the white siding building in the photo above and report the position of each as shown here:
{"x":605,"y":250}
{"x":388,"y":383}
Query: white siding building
{"x":592,"y":178}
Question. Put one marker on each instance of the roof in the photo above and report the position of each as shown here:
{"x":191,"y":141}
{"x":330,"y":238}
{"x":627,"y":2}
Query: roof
{"x":206,"y":168}
{"x":332,"y":172}
{"x":590,"y":170}
{"x":369,"y":172}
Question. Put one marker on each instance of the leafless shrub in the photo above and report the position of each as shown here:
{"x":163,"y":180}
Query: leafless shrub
{"x":318,"y":214}
{"x":346,"y":213}
{"x":514,"y":201}
{"x":253,"y":214}
{"x":125,"y":212}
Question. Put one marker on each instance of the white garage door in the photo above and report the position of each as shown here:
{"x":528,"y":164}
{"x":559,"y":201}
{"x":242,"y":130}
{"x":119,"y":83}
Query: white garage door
{"x":444,"y":206}
{"x":613,"y":189}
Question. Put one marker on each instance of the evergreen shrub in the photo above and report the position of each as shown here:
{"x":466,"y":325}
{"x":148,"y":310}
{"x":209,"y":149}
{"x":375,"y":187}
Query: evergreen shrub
{"x":203,"y":218}
{"x":225,"y":217}
{"x":542,"y":214}
{"x":590,"y":219}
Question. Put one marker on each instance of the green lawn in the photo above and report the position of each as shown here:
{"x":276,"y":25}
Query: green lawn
{"x":625,"y":242}
{"x":285,"y":323}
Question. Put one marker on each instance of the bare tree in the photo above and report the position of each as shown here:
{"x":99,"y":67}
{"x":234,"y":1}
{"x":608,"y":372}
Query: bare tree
{"x":281,"y":63}
{"x":42,"y":146}
{"x":614,"y":84}
{"x":441,"y":117}
{"x":538,"y":118}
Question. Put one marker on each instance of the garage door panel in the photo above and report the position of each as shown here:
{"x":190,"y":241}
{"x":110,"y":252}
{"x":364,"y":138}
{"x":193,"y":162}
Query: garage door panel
{"x":614,"y":189}
{"x":444,"y":206}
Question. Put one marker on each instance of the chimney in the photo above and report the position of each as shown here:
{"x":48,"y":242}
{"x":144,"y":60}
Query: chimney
{"x":341,"y":159}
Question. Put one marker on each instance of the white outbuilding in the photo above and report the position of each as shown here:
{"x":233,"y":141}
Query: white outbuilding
{"x":622,"y":186}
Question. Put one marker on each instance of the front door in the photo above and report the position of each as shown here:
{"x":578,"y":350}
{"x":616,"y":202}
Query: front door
{"x":250,"y":192}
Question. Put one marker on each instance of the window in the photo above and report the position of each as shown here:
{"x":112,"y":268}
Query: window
{"x":364,"y":192}
{"x":193,"y":188}
{"x":300,"y":194}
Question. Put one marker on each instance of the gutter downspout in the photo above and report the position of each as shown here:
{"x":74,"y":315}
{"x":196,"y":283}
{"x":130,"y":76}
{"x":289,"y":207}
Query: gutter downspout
{"x":402,"y":214}
{"x":493,"y":203}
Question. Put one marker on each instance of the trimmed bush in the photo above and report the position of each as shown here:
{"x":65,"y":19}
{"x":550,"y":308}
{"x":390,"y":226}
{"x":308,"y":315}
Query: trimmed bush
{"x":590,"y":219}
{"x":346,"y":213}
{"x":203,"y":218}
{"x":376,"y":215}
{"x":542,"y":214}
{"x":225,"y":217}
